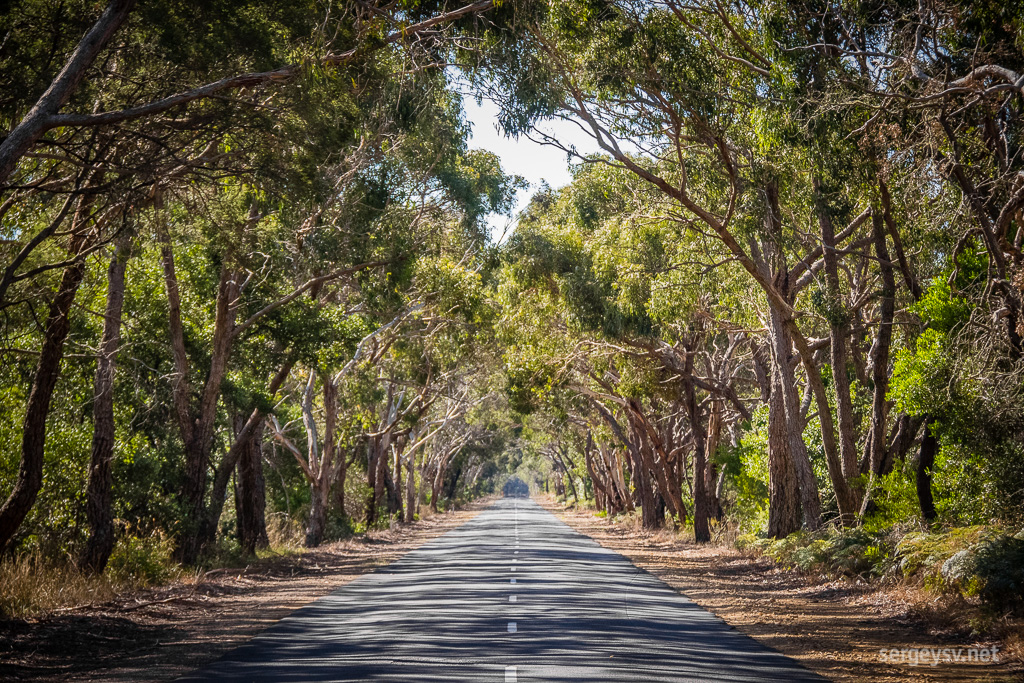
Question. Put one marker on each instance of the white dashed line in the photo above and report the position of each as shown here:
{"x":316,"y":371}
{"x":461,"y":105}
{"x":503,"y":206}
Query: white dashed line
{"x":512,"y":627}
{"x":512,"y":580}
{"x":513,"y":568}
{"x":512,"y":598}
{"x":510,"y":674}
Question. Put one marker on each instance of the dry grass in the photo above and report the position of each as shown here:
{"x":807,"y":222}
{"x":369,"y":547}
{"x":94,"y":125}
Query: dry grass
{"x":30,"y":586}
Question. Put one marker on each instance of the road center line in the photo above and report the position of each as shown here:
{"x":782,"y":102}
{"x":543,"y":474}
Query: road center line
{"x":513,"y":598}
{"x":510,"y":674}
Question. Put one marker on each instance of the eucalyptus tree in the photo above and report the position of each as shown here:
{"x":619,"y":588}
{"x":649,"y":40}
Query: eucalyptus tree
{"x":163,"y":92}
{"x":613,"y":320}
{"x":697,"y":101}
{"x":932,"y":95}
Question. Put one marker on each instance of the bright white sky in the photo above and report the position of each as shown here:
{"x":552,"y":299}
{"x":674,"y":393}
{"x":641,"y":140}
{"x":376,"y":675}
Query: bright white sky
{"x":523,"y":156}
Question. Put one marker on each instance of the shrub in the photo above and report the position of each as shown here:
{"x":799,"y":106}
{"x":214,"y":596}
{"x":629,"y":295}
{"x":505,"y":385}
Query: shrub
{"x":979,"y":562}
{"x":142,"y":561}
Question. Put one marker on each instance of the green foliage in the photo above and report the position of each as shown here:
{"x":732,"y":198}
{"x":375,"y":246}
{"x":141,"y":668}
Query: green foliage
{"x":975,"y":561}
{"x":851,"y":553}
{"x":978,"y":562}
{"x":940,"y":309}
{"x":895,"y":498}
{"x":746,"y":469}
{"x":143,"y":561}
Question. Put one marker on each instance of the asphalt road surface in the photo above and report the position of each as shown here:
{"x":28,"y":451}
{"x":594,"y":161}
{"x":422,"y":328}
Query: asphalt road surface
{"x":512,"y":595}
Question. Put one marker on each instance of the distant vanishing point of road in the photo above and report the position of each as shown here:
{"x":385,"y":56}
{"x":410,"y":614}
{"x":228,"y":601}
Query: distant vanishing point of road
{"x":512,"y":595}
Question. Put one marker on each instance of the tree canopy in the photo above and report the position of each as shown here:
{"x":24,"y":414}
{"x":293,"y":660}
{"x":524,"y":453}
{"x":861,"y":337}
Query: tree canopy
{"x":246,"y":274}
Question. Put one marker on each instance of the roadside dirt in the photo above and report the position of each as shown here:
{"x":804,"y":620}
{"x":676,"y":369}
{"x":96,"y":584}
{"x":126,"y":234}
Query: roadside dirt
{"x":835,"y":628}
{"x":163,"y":633}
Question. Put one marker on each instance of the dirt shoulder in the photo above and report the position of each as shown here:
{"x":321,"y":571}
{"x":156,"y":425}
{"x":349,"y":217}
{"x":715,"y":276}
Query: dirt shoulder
{"x":161,"y":634}
{"x":835,"y":628}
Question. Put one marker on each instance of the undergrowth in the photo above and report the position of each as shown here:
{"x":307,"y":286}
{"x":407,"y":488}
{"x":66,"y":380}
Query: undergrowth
{"x":32,"y":584}
{"x":983,"y":564}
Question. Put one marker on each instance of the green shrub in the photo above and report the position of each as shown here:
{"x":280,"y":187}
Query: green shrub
{"x":142,"y":561}
{"x":850,"y":552}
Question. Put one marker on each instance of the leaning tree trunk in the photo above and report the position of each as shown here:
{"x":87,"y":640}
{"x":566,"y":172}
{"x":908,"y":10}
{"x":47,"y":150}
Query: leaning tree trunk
{"x":99,"y":493}
{"x":648,"y":445}
{"x":197,"y":426}
{"x":245,"y":432}
{"x":20,"y":139}
{"x":33,"y":437}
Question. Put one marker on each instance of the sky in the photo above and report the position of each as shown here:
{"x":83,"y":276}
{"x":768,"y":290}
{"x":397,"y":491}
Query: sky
{"x":532,"y":160}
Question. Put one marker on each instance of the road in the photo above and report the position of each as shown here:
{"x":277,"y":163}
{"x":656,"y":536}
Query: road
{"x":512,"y":595}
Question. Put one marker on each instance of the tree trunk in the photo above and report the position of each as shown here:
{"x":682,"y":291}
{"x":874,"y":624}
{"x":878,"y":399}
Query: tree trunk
{"x":319,"y":502}
{"x":99,"y":492}
{"x":410,"y":488}
{"x":602,"y":495}
{"x":320,"y":486}
{"x":838,"y":330}
{"x":568,"y":477}
{"x":649,"y":518}
{"x":925,"y":466}
{"x":245,"y":432}
{"x":339,"y":484}
{"x":711,"y":469}
{"x":197,"y":449}
{"x":33,"y":436}
{"x":879,"y":355}
{"x":655,"y":460}
{"x":37,"y":121}
{"x":251,"y":495}
{"x":790,"y":463}
{"x":783,"y":494}
{"x":372,"y":448}
{"x":807,"y":486}
{"x":701,"y":508}
{"x":396,"y":505}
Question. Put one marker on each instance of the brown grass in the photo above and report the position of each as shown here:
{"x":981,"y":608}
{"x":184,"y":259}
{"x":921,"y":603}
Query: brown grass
{"x":31,"y":585}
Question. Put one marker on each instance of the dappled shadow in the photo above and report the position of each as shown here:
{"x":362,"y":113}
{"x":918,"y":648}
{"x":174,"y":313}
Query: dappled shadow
{"x":64,"y":645}
{"x":442,"y":613}
{"x":835,"y":627}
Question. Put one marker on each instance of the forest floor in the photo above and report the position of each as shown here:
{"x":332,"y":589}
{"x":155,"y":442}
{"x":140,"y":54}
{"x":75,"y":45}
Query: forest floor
{"x":163,"y":633}
{"x":837,"y":628}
